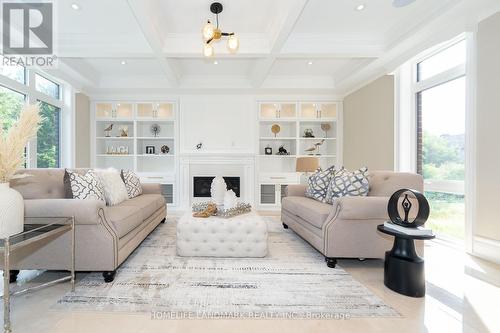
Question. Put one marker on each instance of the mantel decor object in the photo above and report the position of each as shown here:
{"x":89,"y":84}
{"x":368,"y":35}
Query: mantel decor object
{"x":218,"y":190}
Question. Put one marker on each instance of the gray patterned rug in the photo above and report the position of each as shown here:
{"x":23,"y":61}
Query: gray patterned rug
{"x":292,"y":282}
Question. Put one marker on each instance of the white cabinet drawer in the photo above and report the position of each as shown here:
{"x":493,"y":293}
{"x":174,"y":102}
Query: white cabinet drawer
{"x":279,"y":178}
{"x":155,"y":178}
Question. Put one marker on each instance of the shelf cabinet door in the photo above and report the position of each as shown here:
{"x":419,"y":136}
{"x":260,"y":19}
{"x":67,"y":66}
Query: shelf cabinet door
{"x":309,"y":111}
{"x":124,"y":111}
{"x":278,"y":111}
{"x":268,"y":194}
{"x":104,"y":110}
{"x":165,"y":111}
{"x":145,"y":110}
{"x":328,"y":110}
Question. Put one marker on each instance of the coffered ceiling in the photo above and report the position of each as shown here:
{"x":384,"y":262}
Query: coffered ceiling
{"x":284,"y":44}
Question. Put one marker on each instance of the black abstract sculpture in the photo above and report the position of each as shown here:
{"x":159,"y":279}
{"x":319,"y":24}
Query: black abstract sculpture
{"x":393,"y":211}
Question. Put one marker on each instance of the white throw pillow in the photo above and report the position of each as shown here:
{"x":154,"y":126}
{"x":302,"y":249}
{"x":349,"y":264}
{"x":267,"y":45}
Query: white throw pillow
{"x":115,"y":191}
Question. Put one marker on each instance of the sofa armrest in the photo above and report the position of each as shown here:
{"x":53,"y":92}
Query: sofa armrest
{"x":151,"y":188}
{"x":296,"y":190}
{"x":84,"y":211}
{"x":362,"y":208}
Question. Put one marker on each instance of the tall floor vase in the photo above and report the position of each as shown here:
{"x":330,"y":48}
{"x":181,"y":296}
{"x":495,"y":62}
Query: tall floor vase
{"x":11,"y":211}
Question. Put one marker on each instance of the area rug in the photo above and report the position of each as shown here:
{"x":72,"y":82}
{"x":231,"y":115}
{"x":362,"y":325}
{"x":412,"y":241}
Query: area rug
{"x":292,"y":282}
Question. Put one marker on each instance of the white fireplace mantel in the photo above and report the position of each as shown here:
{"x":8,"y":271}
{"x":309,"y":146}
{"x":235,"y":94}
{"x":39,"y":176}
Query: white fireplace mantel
{"x":204,"y":164}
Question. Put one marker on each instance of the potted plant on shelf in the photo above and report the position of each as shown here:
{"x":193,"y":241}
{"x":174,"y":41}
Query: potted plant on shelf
{"x":12,"y":144}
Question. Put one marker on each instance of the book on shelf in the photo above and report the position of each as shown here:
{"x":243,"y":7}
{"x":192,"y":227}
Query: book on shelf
{"x":419,"y":231}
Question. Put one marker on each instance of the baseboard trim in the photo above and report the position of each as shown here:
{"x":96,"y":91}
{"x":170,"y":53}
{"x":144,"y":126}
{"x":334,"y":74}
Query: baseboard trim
{"x":486,"y":248}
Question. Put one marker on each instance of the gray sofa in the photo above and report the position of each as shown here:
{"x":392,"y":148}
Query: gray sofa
{"x":348,"y":228}
{"x":105,"y":236}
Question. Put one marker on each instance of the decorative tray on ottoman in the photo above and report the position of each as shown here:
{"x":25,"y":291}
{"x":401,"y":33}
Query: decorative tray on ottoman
{"x":240,"y":208}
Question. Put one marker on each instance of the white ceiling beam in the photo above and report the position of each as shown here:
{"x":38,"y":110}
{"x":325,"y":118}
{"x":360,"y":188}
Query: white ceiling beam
{"x":143,"y":12}
{"x":263,"y":66}
{"x":76,"y":72}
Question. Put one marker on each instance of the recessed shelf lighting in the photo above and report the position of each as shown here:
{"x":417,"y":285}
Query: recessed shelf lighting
{"x":309,"y":63}
{"x":75,"y":6}
{"x":360,"y":7}
{"x":123,"y":62}
{"x":216,"y":62}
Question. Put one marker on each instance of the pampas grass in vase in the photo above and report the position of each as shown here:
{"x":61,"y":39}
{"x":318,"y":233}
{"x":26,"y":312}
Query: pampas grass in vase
{"x":12,"y":146}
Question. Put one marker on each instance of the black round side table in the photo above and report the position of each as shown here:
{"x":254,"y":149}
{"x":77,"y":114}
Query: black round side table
{"x":403,"y":268}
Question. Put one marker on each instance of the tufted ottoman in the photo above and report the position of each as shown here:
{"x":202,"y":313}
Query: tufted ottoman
{"x":241,"y":236}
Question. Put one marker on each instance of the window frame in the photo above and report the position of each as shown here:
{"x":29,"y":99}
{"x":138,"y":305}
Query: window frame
{"x":33,"y":96}
{"x":417,"y":87}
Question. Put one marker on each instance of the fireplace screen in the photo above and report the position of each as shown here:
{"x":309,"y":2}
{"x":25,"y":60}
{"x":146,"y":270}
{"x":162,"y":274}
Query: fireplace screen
{"x":201,"y":186}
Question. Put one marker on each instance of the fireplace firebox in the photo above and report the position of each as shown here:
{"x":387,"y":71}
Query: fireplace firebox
{"x":201,"y":186}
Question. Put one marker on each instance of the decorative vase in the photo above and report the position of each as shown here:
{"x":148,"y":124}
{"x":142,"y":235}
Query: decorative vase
{"x":230,"y":200}
{"x":218,"y":190}
{"x":11,"y":211}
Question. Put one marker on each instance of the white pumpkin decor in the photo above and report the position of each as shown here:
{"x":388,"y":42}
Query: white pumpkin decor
{"x":218,"y":190}
{"x":230,"y":199}
{"x":11,"y":211}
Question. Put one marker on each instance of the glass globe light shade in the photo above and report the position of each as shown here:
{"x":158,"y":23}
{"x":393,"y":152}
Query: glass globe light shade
{"x":208,"y":50}
{"x":208,"y":31}
{"x":233,"y":43}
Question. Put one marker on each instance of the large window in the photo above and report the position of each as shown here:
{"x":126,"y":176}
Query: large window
{"x":440,"y":90}
{"x":19,"y":85}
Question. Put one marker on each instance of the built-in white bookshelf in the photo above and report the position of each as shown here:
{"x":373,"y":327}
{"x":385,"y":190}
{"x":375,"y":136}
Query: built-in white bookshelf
{"x":275,"y":172}
{"x":140,"y":148}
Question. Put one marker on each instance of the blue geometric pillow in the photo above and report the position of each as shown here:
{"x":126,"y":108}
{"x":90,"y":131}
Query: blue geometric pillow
{"x":348,"y":184}
{"x":318,"y":184}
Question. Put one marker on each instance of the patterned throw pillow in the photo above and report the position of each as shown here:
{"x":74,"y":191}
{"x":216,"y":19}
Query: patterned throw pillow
{"x":132,"y":183}
{"x":83,"y":187}
{"x":348,"y":184}
{"x":318,"y":184}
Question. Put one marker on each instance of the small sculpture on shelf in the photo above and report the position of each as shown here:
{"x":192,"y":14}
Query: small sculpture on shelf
{"x":124,"y":131}
{"x":308,"y":133}
{"x":155,"y":129}
{"x":326,"y":127}
{"x":268,"y":150}
{"x":315,"y":147}
{"x":107,"y":131}
{"x":150,"y":150}
{"x":165,"y":149}
{"x":275,"y":129}
{"x":282,"y":151}
{"x":199,"y":146}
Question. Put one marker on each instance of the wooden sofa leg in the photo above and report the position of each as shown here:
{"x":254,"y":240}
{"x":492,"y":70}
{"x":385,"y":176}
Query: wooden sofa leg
{"x":13,"y":275}
{"x":109,"y":276}
{"x":164,"y":220}
{"x":331,"y":262}
{"x":285,"y":226}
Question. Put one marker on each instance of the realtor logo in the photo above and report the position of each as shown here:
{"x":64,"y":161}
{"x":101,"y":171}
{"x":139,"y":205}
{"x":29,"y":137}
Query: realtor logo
{"x":27,"y":28}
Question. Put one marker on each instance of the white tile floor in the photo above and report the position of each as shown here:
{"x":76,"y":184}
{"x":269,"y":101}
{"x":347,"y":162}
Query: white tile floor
{"x":455,"y":302}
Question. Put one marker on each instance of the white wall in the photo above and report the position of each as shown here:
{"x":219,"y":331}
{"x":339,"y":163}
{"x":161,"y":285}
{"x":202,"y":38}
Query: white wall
{"x":369,"y":126}
{"x":487,"y":222}
{"x":223,"y":123}
{"x":82,"y":131}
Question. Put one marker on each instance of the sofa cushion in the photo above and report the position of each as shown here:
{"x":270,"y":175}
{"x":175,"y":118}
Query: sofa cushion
{"x":310,"y":210}
{"x":318,"y":184}
{"x":148,"y":203}
{"x":348,"y":184}
{"x":124,"y":218}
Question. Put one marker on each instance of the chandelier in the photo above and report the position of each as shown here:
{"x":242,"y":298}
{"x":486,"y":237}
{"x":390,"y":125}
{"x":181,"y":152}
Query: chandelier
{"x":213,"y":33}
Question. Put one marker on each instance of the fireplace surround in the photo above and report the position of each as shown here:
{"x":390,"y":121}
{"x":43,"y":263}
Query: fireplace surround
{"x":201,"y":185}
